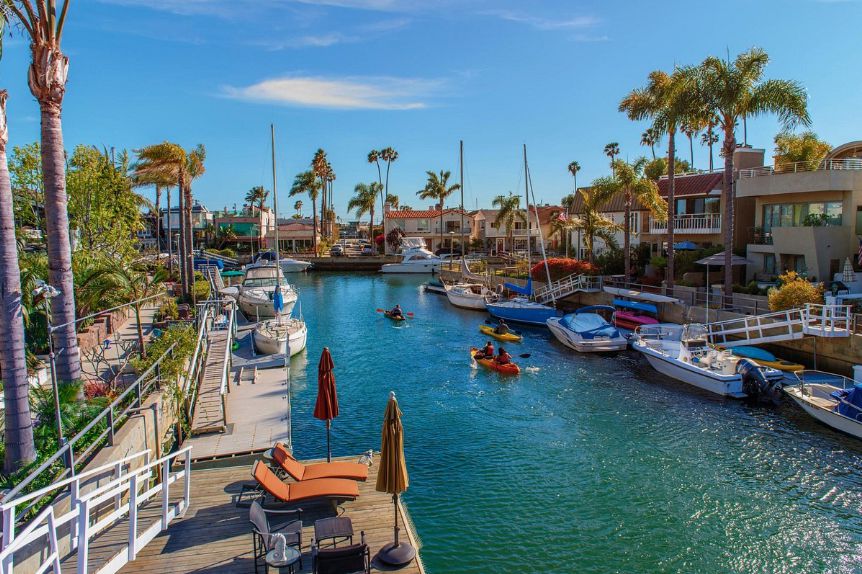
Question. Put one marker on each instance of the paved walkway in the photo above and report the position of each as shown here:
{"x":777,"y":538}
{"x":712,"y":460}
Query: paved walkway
{"x":114,"y":357}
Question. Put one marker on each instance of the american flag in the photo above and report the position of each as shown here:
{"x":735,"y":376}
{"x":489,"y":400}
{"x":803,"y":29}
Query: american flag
{"x":859,"y":254}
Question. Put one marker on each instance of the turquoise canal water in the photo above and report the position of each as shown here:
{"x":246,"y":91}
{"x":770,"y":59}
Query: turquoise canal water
{"x":583,"y":463}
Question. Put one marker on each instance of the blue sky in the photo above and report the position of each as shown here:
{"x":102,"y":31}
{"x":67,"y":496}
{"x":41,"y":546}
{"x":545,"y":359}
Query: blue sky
{"x":352,"y":75}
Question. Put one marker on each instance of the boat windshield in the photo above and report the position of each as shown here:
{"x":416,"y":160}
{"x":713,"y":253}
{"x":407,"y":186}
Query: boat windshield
{"x":259,"y":282}
{"x":696,"y":331}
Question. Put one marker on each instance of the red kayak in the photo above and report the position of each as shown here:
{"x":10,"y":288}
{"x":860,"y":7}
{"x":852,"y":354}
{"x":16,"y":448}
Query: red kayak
{"x":507,"y":369}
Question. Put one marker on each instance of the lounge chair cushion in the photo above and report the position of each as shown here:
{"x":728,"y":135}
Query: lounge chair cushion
{"x":300,"y":472}
{"x":305,"y":490}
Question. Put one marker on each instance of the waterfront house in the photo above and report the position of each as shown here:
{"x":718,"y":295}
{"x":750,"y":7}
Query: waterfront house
{"x":807,"y":218}
{"x":248,"y":227}
{"x":294,"y":235}
{"x":495,"y":238}
{"x":202,"y":219}
{"x":426,"y":225}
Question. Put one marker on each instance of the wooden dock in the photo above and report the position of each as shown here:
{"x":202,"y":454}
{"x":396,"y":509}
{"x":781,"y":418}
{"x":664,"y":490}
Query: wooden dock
{"x":215,"y":536}
{"x":209,"y":411}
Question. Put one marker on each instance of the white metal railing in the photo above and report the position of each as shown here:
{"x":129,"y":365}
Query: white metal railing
{"x":568,"y":285}
{"x":852,"y":164}
{"x":225,"y":375}
{"x":818,"y":320}
{"x":88,"y":516}
{"x":828,"y":320}
{"x":689,"y":223}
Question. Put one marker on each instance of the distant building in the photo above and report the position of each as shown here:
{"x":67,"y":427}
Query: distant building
{"x":294,"y":236}
{"x":495,"y":238}
{"x":248,"y":227}
{"x":169,"y":218}
{"x":426,"y":224}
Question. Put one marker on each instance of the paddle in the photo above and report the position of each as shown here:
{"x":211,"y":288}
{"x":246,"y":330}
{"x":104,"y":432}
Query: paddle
{"x":524,"y":355}
{"x":385,"y":311}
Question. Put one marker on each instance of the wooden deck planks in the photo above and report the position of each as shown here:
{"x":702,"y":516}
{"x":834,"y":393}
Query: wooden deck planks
{"x":215,"y":536}
{"x":209,"y":412}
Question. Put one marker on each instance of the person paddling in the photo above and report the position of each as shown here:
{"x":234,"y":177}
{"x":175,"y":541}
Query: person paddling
{"x":503,"y":358}
{"x":396,"y":312}
{"x":502,"y":328}
{"x":486,"y":352}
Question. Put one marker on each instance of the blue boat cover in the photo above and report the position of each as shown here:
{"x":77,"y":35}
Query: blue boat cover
{"x":522,"y":290}
{"x":589,"y":326}
{"x":594,"y":308}
{"x":753,"y":353}
{"x":854,"y":409}
{"x":646,"y":307}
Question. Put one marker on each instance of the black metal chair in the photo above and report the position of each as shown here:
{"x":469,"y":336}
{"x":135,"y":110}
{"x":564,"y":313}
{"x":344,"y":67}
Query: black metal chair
{"x":352,"y":559}
{"x":262,"y":531}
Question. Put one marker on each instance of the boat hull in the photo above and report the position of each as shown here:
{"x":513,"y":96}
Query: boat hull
{"x":275,"y":345}
{"x":294,"y":266}
{"x":472,"y":301}
{"x":724,"y":385}
{"x":254,"y":308}
{"x":410,"y":267}
{"x":530,"y":315}
{"x":574,"y":341}
{"x":828,"y":417}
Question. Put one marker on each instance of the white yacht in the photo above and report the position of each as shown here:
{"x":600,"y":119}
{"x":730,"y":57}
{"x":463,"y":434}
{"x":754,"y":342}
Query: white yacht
{"x":288,"y":264}
{"x":588,"y":332}
{"x":469,"y":295}
{"x":834,"y":400}
{"x":257,"y":290}
{"x":684,"y":353}
{"x":280,"y":336}
{"x":414,"y":260}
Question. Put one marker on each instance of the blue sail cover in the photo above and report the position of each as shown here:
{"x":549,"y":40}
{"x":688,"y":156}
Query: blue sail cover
{"x":645,"y":307}
{"x":589,"y":325}
{"x":854,"y":409}
{"x":522,"y":290}
{"x":278,"y":300}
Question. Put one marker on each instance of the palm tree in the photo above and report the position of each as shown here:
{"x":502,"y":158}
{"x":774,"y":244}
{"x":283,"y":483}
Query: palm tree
{"x":161,"y":181}
{"x":322,"y":170}
{"x":509,"y":207}
{"x":709,"y":138}
{"x":631,"y":183}
{"x":574,"y":167}
{"x":731,"y":90}
{"x":393,"y":200}
{"x":388,"y":155}
{"x":437,"y":188}
{"x":668,"y":101}
{"x":298,"y":207}
{"x":363,"y":202}
{"x":690,"y":127}
{"x":612,"y":150}
{"x":306,"y":182}
{"x":47,"y":76}
{"x":593,"y":223}
{"x":650,"y":138}
{"x":20,"y":447}
{"x":257,"y":196}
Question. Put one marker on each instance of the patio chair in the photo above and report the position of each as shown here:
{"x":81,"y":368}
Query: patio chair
{"x":262,"y":531}
{"x":353,"y":559}
{"x":301,"y":472}
{"x":289,"y":493}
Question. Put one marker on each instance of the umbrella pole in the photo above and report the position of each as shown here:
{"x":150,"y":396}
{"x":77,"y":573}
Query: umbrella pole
{"x":328,"y":447}
{"x":395,"y":501}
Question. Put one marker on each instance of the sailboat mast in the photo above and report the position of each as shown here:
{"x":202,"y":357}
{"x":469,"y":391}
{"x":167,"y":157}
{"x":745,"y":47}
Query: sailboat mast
{"x":462,"y":197}
{"x":541,"y":237}
{"x":527,"y":206}
{"x":275,"y":209}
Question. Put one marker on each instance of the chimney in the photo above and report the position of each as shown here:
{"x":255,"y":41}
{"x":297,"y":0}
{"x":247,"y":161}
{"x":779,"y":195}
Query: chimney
{"x":387,"y":207}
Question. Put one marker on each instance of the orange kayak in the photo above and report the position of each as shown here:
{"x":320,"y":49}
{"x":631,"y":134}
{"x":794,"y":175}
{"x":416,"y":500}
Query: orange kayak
{"x":508,"y":369}
{"x":393,"y":317}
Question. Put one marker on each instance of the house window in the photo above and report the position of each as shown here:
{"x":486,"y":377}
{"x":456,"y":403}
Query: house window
{"x":453,"y":226}
{"x":796,"y":214}
{"x":769,"y":263}
{"x":423,"y":225}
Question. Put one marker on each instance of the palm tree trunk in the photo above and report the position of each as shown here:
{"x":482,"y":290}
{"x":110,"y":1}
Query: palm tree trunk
{"x":627,"y":256}
{"x":141,"y":345}
{"x":729,"y":147}
{"x":671,"y":204}
{"x":59,"y":244}
{"x":181,"y":243}
{"x":190,"y":243}
{"x":158,"y":217}
{"x":314,"y":231}
{"x":20,"y":449}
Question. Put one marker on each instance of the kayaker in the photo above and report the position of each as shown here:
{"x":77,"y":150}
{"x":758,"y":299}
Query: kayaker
{"x":486,"y":352}
{"x":503,"y":358}
{"x":502,"y":328}
{"x":396,"y":311}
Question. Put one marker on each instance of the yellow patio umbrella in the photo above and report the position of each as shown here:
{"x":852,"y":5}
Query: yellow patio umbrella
{"x":392,"y":478}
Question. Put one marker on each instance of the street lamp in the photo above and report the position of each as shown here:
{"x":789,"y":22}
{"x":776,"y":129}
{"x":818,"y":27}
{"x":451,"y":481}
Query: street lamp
{"x":46,"y":293}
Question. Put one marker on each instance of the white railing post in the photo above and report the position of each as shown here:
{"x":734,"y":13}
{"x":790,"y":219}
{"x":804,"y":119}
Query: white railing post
{"x":74,"y":495}
{"x":166,"y":469}
{"x":83,"y":535}
{"x":187,"y":479}
{"x":118,"y":472}
{"x":133,"y":516}
{"x":52,"y":543}
{"x":8,"y":525}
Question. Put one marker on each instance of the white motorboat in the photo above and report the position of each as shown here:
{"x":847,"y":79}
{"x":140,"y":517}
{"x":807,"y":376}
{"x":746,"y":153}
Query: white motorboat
{"x":288,"y":264}
{"x":685,"y":355}
{"x":588,"y":332}
{"x":834,"y":400}
{"x":280,"y":336}
{"x":256,"y":292}
{"x":414,"y":260}
{"x":468,"y":295}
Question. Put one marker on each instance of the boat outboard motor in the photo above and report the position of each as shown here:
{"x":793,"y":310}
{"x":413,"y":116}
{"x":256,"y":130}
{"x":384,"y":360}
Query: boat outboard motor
{"x":756,"y":384}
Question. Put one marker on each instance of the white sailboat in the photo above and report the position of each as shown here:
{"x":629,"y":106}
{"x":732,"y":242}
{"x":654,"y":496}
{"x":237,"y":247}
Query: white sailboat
{"x":281,"y":335}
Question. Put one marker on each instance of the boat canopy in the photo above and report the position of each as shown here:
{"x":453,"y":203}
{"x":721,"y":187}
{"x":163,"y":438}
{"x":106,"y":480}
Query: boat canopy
{"x":522,"y":290}
{"x":635,"y":306}
{"x":589,"y":326}
{"x":594,"y":308}
{"x":851,"y":403}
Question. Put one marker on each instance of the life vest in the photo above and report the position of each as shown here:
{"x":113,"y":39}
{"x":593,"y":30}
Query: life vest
{"x":504,"y":359}
{"x":488,"y":351}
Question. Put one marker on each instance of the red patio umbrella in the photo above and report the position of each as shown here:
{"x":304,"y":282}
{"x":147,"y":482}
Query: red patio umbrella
{"x":326,"y":407}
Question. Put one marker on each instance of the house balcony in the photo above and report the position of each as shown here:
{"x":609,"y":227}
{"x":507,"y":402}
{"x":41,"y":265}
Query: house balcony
{"x":689,"y":223}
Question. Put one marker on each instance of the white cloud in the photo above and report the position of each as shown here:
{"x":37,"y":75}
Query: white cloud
{"x":348,"y":93}
{"x":540,"y":23}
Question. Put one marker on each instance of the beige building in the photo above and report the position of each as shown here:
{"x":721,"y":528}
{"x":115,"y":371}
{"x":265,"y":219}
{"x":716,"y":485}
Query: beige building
{"x":495,"y":239}
{"x":294,"y":236}
{"x":806,"y":218}
{"x":426,"y":224}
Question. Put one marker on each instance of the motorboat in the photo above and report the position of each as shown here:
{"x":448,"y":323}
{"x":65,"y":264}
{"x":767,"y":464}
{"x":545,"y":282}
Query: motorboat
{"x":285,"y":336}
{"x":521,"y":310}
{"x":257,"y":290}
{"x":686,"y":355}
{"x":469,"y":295}
{"x":414,"y":260}
{"x":587,"y":331}
{"x":288,"y":264}
{"x":833,"y":400}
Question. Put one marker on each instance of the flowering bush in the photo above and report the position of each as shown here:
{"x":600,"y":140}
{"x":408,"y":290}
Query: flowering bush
{"x":93,"y":389}
{"x":794,"y":292}
{"x":379,"y":239}
{"x":560,"y":267}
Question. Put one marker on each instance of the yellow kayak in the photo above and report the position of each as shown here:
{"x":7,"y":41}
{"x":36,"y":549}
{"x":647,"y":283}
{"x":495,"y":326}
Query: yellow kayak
{"x":510,"y":337}
{"x":764,"y":358}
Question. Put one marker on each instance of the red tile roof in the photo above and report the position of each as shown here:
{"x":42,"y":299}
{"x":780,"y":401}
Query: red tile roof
{"x":687,"y":185}
{"x":423,"y":214}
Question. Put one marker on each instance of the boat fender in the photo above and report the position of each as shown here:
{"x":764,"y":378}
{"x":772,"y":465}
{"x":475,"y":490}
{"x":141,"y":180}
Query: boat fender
{"x":756,"y":384}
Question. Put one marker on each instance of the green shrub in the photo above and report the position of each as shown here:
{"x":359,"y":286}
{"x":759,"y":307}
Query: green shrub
{"x":201,"y":290}
{"x":659,"y":261}
{"x":168,"y":310}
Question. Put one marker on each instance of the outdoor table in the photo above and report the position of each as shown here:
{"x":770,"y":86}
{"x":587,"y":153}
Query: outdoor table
{"x":291,"y":557}
{"x":333,"y":528}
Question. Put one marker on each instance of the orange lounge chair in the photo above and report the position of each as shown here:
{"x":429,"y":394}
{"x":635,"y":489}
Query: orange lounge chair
{"x":303,"y":472}
{"x":319,"y":488}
